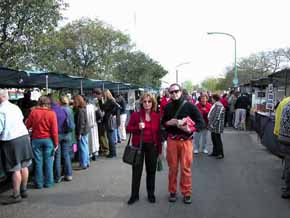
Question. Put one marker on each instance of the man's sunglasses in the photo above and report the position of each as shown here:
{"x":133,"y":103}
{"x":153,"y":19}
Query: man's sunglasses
{"x":174,"y":91}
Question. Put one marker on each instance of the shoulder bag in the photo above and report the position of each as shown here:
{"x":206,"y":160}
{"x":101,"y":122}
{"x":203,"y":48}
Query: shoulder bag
{"x":133,"y":155}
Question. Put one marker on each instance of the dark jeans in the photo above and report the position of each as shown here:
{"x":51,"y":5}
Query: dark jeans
{"x":217,"y":144}
{"x":150,"y":152}
{"x":111,"y":134}
{"x":62,"y":155}
{"x":286,"y":153}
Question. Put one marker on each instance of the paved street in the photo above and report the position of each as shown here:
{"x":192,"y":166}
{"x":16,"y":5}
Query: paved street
{"x":246,"y":184}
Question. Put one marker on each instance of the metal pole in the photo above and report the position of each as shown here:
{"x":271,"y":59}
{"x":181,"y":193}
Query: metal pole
{"x":235,"y":79}
{"x":183,"y":63}
{"x":46,"y":84}
{"x":81,"y":86}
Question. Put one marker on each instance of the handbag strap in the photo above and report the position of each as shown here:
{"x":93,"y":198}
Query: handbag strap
{"x":141,"y":136}
{"x":179,"y":109}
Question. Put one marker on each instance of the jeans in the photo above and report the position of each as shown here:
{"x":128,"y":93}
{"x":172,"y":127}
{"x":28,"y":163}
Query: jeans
{"x":83,"y":148}
{"x":122,"y":127}
{"x":203,"y":135}
{"x":240,"y":117}
{"x":43,"y":151}
{"x":117,"y":135}
{"x":112,"y":144}
{"x":63,"y":153}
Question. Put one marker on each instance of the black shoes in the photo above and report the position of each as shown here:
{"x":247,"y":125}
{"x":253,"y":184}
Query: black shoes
{"x":220,"y":156}
{"x":172,"y":197}
{"x":132,"y":200}
{"x":187,"y":199}
{"x":285,"y":194}
{"x":24,"y":194}
{"x":152,"y":199}
{"x":213,"y":155}
{"x":110,"y":156}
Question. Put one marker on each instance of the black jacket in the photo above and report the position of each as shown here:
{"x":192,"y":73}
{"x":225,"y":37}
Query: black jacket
{"x":188,"y":109}
{"x":243,"y":102}
{"x":81,"y":121}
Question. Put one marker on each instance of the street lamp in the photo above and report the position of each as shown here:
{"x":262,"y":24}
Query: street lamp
{"x":179,"y":65}
{"x":235,"y":80}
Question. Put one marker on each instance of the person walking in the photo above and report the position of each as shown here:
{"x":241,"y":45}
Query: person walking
{"x":216,"y":119}
{"x":179,"y":141}
{"x":146,"y":120}
{"x":242,"y":105}
{"x":15,"y":149}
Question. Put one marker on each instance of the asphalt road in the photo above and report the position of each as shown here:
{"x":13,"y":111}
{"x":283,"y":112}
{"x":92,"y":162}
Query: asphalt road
{"x":246,"y":184}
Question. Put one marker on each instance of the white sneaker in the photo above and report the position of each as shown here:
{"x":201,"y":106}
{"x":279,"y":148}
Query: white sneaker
{"x":195,"y":151}
{"x":205,"y":151}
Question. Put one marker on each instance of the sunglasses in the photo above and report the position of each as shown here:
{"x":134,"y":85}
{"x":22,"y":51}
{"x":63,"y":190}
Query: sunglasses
{"x":174,"y":91}
{"x":147,"y":101}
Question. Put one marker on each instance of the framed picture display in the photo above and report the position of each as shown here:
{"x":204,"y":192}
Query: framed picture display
{"x":270,"y":106}
{"x":270,"y":88}
{"x":271,"y":96}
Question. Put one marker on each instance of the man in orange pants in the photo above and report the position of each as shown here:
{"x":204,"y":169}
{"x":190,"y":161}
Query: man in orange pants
{"x":177,"y":120}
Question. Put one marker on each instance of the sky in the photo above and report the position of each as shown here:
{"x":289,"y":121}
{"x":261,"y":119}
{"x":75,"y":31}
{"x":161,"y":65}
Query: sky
{"x":174,"y":32}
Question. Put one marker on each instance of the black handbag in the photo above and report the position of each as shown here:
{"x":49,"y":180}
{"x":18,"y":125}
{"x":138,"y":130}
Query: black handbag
{"x":133,"y":155}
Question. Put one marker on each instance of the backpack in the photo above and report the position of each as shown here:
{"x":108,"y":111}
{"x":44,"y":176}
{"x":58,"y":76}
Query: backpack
{"x":284,"y":134}
{"x":67,"y":125}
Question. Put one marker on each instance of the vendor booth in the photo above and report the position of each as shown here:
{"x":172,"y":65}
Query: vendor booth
{"x":267,"y":93}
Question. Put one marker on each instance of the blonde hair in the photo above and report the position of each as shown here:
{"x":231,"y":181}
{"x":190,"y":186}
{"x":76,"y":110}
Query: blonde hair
{"x":152,"y":98}
{"x":64,"y":100}
{"x":108,"y":95}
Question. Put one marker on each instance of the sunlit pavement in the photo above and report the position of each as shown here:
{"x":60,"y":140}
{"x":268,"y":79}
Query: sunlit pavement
{"x":245,"y":184}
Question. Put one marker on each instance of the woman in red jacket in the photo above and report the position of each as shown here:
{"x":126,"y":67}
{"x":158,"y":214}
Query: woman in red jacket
{"x":148,"y":121}
{"x":43,"y":123}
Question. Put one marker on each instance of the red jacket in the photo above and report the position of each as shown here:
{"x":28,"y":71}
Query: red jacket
{"x":163,"y":103}
{"x":43,"y":123}
{"x":133,"y":127}
{"x":204,"y":110}
{"x":225,"y":102}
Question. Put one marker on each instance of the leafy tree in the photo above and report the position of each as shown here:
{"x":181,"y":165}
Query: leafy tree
{"x":188,"y":86}
{"x":139,"y":68}
{"x":20,"y":22}
{"x":84,"y":47}
{"x":209,"y":84}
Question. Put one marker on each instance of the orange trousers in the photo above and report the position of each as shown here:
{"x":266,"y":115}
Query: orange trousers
{"x":179,"y":151}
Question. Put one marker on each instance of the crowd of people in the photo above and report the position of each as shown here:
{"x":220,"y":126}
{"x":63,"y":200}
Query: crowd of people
{"x":52,"y":130}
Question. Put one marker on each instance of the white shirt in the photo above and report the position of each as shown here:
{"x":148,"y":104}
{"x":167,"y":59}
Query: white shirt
{"x":11,"y":122}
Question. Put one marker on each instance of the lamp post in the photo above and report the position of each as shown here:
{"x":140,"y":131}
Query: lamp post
{"x":235,"y":80}
{"x":179,"y":65}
